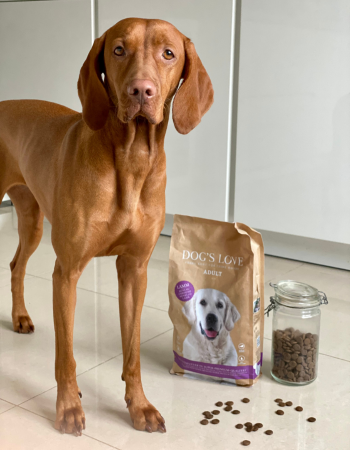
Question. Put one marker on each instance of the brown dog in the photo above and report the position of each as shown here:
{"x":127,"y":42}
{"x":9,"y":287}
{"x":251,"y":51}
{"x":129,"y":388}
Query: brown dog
{"x":99,"y":177}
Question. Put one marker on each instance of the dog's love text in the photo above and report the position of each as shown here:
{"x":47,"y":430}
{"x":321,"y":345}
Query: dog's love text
{"x":210,"y":257}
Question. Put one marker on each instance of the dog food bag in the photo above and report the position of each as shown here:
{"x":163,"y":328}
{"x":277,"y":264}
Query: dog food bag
{"x":216,"y":293}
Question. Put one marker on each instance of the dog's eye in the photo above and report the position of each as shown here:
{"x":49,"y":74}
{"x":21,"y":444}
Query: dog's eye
{"x":119,"y":51}
{"x":220,"y":305}
{"x":203,"y":302}
{"x":168,"y":54}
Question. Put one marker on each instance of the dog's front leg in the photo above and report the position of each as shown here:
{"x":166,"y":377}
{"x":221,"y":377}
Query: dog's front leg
{"x":70,"y":417}
{"x":132,"y":277}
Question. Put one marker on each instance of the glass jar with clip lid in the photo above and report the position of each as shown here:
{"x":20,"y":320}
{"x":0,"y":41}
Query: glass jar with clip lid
{"x":295,"y":331}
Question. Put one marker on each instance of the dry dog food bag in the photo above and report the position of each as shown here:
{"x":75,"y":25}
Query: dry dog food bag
{"x":216,"y":293}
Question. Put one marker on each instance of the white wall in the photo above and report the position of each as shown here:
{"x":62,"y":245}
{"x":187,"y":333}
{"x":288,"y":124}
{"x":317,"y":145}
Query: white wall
{"x":43,"y":45}
{"x":293,"y":149}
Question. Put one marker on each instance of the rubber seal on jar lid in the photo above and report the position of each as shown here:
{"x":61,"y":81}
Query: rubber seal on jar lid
{"x":295,"y":294}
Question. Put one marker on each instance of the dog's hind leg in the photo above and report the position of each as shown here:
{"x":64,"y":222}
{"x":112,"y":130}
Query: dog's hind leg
{"x":30,"y":230}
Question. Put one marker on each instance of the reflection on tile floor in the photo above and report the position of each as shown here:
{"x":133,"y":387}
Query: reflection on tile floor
{"x":27,"y":385}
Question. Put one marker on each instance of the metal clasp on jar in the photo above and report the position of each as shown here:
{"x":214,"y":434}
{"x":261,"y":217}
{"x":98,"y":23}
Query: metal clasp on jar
{"x":323,"y":298}
{"x":270,"y":307}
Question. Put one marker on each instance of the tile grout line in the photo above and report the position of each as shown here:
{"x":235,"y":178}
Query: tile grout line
{"x":85,"y":371}
{"x":93,"y":292}
{"x":52,"y":421}
{"x":35,"y":396}
{"x":161,"y":334}
{"x":119,"y":354}
{"x":288,"y":271}
{"x":14,"y":406}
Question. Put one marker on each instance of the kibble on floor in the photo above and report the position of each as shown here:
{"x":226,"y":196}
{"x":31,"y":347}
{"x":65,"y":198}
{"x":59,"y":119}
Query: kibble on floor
{"x":299,"y":408}
{"x":245,"y":443}
{"x":279,"y":412}
{"x":218,"y":404}
{"x":239,"y":426}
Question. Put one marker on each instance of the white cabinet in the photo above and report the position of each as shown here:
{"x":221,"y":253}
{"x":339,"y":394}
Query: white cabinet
{"x":43,"y":45}
{"x":198,"y":182}
{"x":293,"y":148}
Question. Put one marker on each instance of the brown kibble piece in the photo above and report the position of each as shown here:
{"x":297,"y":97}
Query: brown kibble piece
{"x":255,"y":428}
{"x":249,"y":429}
{"x":245,"y":400}
{"x":229,"y":403}
{"x":248,"y":424}
{"x":289,"y":403}
{"x":206,"y":412}
{"x":245,"y":443}
{"x":204,"y":422}
{"x":299,"y":408}
{"x":279,"y":412}
{"x":311,"y":419}
{"x":228,"y":408}
{"x":235,"y":411}
{"x":278,"y":400}
{"x":215,"y":412}
{"x":215,"y":421}
{"x":259,"y":425}
{"x":239,"y":426}
{"x":282,"y":405}
{"x":269,"y":432}
{"x":218,"y":404}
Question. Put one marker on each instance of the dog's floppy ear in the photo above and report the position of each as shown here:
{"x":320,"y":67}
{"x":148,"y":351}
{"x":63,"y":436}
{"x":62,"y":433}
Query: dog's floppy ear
{"x":189,"y":310}
{"x":195,"y":95}
{"x":91,"y":90}
{"x":232,"y":315}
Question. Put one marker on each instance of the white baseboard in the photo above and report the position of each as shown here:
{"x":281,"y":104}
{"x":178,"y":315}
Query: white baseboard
{"x":315,"y":251}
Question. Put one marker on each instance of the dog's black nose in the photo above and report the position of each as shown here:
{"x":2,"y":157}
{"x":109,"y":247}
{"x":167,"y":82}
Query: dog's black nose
{"x":211,"y":320}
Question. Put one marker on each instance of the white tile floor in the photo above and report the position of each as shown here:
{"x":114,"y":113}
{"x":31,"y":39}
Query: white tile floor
{"x":27,"y":384}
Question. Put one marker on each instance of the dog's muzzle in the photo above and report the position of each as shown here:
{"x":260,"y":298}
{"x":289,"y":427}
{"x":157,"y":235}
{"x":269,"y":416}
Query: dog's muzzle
{"x":210,"y":331}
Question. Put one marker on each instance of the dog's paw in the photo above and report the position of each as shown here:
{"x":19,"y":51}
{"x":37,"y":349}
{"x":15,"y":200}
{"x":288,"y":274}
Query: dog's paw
{"x":70,"y":417}
{"x":145,"y":416}
{"x":23,"y":324}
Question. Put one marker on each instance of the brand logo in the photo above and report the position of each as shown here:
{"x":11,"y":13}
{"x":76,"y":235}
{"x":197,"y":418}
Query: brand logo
{"x":210,"y":257}
{"x":241,"y":346}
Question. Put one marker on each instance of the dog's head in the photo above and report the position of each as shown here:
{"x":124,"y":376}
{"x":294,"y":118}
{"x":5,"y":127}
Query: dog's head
{"x":136,"y":67}
{"x":211,"y":311}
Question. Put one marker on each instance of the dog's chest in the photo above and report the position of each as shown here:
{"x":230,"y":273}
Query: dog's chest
{"x":217,"y":356}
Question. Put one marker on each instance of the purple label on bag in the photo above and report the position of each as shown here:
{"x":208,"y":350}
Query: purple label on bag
{"x":184,"y":291}
{"x":217,"y":370}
